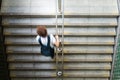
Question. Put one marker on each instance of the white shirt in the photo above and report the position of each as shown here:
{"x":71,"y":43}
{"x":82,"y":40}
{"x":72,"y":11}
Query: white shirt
{"x":44,"y":40}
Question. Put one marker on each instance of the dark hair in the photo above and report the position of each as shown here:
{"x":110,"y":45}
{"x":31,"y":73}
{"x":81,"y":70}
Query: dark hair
{"x":42,"y":31}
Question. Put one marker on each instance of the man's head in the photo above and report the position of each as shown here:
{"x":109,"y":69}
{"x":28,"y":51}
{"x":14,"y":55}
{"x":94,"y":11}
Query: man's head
{"x":42,"y":31}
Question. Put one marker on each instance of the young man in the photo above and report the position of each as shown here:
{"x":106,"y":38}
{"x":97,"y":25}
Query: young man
{"x":46,"y":41}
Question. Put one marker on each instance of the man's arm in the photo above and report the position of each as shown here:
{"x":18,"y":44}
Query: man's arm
{"x":37,"y":38}
{"x":57,"y":41}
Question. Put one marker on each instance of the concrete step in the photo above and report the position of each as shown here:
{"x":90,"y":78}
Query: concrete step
{"x":10,"y":52}
{"x":65,"y":34}
{"x":53,"y":68}
{"x":65,"y":24}
{"x":65,"y":60}
{"x":65,"y":43}
{"x":65,"y":76}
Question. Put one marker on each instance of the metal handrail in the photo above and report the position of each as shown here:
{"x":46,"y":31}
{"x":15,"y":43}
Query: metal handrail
{"x":60,"y":10}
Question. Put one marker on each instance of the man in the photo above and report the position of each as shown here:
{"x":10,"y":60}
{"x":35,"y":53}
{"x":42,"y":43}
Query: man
{"x":46,"y":41}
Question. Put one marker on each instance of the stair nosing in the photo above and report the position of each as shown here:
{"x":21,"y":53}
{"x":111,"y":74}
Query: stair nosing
{"x":65,"y":14}
{"x":65,"y":43}
{"x":65,"y":24}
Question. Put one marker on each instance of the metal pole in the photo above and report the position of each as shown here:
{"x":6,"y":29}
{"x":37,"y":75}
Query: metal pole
{"x":56,"y":16}
{"x":116,"y":41}
{"x":59,"y":6}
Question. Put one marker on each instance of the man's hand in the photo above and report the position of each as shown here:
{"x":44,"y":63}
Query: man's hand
{"x":56,"y":36}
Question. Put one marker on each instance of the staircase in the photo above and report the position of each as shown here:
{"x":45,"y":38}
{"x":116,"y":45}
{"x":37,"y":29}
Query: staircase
{"x":89,"y":38}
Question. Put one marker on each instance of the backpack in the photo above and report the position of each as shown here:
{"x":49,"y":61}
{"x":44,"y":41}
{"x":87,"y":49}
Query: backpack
{"x":46,"y":50}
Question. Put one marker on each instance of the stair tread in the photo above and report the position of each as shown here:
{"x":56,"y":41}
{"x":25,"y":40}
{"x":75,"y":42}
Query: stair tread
{"x":65,"y":43}
{"x":65,"y":60}
{"x":66,"y":68}
{"x":65,"y":51}
{"x":65,"y":34}
{"x":65,"y":75}
{"x":65,"y":24}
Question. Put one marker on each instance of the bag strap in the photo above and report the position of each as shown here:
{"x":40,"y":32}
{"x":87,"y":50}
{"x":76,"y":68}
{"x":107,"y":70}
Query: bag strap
{"x":40,"y":42}
{"x":48,"y":43}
